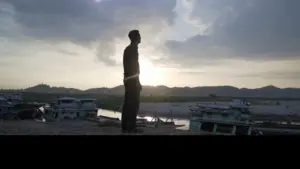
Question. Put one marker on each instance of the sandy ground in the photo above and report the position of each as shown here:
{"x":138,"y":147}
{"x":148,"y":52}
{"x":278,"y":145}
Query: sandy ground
{"x":74,"y":127}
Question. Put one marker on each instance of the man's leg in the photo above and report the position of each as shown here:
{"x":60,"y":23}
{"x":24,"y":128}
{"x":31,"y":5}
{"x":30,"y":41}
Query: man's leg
{"x":125,"y":110}
{"x":130,"y":106}
{"x":134,"y":106}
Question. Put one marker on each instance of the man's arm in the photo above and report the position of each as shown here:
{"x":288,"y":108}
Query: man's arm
{"x":138,"y":67}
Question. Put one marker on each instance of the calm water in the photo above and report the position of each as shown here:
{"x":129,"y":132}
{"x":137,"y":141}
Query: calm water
{"x":118,"y":115}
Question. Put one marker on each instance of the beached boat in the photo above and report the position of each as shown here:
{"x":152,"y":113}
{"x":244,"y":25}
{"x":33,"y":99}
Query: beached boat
{"x":71,"y":108}
{"x":224,"y":120}
{"x":89,"y":106}
{"x":15,"y":98}
{"x":5,"y":107}
{"x":64,"y":108}
{"x":11,"y":98}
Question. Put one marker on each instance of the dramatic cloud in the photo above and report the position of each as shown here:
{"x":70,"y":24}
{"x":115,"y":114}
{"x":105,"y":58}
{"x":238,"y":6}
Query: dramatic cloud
{"x":234,"y":29}
{"x":217,"y":41}
{"x":97,"y":25}
{"x":241,"y":29}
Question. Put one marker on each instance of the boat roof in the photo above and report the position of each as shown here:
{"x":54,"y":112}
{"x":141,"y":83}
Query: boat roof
{"x":213,"y":106}
{"x":15,"y":98}
{"x":218,"y":106}
{"x":16,"y":94}
{"x":88,"y":99}
{"x":67,"y":98}
{"x":240,"y":106}
{"x":218,"y":111}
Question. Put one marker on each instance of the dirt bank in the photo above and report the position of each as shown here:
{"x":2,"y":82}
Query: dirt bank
{"x":73,"y":127}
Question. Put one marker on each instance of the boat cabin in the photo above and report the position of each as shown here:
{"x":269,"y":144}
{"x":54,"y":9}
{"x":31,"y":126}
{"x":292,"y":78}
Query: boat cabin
{"x":16,"y":96}
{"x":15,"y":101}
{"x":88,"y":103}
{"x":3,"y":101}
{"x":5,"y":106}
{"x":89,"y":106}
{"x":67,"y":102}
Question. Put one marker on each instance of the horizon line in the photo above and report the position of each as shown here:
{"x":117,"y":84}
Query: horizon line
{"x":149,"y":86}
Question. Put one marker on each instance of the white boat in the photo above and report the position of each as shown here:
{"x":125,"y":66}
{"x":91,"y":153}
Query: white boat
{"x":15,"y":98}
{"x":224,"y":120}
{"x":2,"y":96}
{"x":5,"y":106}
{"x":235,"y":103}
{"x":89,"y":106}
{"x":70,"y":108}
{"x":63,"y":108}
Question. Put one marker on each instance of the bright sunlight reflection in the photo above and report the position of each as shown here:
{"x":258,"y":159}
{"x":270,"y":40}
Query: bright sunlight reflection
{"x":149,"y":73}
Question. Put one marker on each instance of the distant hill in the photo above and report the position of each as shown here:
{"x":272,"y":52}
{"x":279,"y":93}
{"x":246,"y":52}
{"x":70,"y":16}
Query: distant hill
{"x":44,"y":88}
{"x":267,"y":91}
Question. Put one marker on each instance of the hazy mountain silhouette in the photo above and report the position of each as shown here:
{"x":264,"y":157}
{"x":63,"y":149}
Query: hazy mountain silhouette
{"x":267,"y":91}
{"x":44,"y":88}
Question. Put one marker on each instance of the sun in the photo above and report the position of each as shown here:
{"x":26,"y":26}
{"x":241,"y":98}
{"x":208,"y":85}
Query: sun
{"x":149,"y":74}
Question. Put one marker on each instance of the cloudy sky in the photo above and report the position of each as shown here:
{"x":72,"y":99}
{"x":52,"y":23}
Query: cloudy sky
{"x":79,"y":43}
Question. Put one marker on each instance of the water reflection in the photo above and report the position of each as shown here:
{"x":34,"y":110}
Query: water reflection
{"x":116,"y":114}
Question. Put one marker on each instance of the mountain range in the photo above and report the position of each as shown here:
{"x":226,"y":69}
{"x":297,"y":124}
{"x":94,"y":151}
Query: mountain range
{"x":226,"y":91}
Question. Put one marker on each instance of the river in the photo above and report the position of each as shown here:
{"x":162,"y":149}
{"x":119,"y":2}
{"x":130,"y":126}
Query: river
{"x":116,"y":114}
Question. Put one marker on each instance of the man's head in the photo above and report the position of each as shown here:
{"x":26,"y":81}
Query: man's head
{"x":134,"y":36}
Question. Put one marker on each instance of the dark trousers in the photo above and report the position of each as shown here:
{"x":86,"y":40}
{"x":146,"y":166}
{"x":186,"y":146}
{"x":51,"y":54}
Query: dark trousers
{"x":131,"y":105}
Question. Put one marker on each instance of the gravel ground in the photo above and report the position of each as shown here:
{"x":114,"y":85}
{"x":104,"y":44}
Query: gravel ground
{"x":74,"y":127}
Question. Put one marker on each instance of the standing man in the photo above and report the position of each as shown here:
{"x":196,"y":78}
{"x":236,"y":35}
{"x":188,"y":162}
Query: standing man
{"x":132,"y":83}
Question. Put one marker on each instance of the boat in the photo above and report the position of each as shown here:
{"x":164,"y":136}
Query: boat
{"x":8,"y":101}
{"x":12,"y":98}
{"x":222,"y":120}
{"x":5,"y":107}
{"x":2,"y":96}
{"x":16,"y":98}
{"x":89,"y":106}
{"x":71,"y":108}
{"x":64,"y":108}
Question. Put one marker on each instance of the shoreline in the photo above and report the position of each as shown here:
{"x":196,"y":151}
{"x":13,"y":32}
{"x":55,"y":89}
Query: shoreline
{"x":76,"y":127}
{"x":159,"y":114}
{"x":186,"y":116}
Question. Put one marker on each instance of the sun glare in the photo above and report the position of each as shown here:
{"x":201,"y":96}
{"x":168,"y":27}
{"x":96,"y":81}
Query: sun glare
{"x":149,"y":73}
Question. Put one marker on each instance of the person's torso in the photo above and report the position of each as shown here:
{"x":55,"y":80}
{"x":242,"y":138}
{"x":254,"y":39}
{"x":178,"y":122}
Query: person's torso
{"x":131,"y":61}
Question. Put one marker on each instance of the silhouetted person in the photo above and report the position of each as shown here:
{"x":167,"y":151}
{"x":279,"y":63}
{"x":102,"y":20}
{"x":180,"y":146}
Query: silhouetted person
{"x":131,"y":83}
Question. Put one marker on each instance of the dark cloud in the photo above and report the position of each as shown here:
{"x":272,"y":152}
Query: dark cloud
{"x":248,"y":30}
{"x":86,"y":22}
{"x":239,"y":29}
